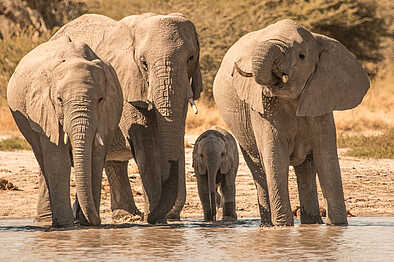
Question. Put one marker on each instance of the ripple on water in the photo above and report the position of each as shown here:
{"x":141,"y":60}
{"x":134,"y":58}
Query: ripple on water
{"x":365,"y":239}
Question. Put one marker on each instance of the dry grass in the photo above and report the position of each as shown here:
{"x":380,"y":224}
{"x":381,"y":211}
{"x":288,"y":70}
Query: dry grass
{"x":207,"y":116}
{"x":7,"y":123}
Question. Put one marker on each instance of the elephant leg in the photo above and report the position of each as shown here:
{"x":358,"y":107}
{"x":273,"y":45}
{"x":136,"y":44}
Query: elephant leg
{"x":309,"y":202}
{"x":325,"y":156}
{"x":56,"y":170}
{"x":252,"y":159}
{"x":275,"y":155}
{"x":175,"y":212}
{"x":236,"y":115}
{"x":44,"y":213}
{"x":122,"y":200}
{"x":228,"y":198}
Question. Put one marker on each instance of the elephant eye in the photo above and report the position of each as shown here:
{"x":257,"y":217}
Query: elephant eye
{"x":144,"y":64}
{"x":101,"y":99}
{"x":222,"y":154}
{"x":301,"y":56}
{"x":190,"y":59}
{"x":60,"y":100}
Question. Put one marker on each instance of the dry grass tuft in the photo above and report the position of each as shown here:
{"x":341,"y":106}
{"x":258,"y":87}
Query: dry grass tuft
{"x":207,"y":116}
{"x":7,"y":123}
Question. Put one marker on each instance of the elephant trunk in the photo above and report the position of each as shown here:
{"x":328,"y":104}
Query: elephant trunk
{"x":265,"y":63}
{"x":170,"y":115}
{"x":82,"y":137}
{"x":212,"y":171}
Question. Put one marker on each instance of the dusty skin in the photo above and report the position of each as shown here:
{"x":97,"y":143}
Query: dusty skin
{"x":368,"y":187}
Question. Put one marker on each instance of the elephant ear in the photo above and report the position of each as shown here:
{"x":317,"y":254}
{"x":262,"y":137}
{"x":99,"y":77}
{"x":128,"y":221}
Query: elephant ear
{"x":113,"y":99}
{"x":338,"y":83}
{"x":196,"y":73}
{"x":245,"y":85}
{"x":39,"y":106}
{"x":119,"y":51}
{"x":225,"y":166}
{"x":197,"y":165}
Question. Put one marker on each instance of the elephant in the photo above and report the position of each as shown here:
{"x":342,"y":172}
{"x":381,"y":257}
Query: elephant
{"x":156,"y":58}
{"x":215,"y":162}
{"x":276,"y":89}
{"x":67,"y":103}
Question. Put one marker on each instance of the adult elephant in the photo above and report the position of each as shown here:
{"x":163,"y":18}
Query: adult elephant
{"x":67,"y":103}
{"x":156,"y":58}
{"x":276,"y":89}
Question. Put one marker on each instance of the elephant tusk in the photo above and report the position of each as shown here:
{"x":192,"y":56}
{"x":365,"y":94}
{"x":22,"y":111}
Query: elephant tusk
{"x":285,"y":78}
{"x":99,"y":139}
{"x":193,"y":105}
{"x":65,"y":138}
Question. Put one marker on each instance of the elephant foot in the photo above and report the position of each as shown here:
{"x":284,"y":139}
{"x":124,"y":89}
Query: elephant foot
{"x":121,"y":216}
{"x":265,"y":224}
{"x":43,"y":220}
{"x":229,"y":218}
{"x":174,"y":216}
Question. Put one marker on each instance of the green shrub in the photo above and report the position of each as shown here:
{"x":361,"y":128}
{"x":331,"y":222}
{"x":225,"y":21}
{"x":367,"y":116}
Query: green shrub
{"x":14,"y":143}
{"x":381,"y":146}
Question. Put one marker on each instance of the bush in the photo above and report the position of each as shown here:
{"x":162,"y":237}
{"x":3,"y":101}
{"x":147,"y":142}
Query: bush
{"x":381,"y":146}
{"x":58,"y":12}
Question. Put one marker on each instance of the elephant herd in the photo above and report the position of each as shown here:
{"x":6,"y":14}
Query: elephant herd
{"x":101,"y":92}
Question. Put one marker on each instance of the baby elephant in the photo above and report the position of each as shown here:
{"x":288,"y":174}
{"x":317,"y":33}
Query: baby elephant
{"x":215,"y":162}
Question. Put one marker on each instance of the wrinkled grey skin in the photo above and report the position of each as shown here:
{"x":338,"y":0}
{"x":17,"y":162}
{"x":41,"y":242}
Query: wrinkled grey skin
{"x":67,"y":103}
{"x":156,"y":57}
{"x":276,"y":89}
{"x":215,"y":162}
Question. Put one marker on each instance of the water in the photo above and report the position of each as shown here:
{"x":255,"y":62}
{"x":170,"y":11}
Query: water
{"x":365,"y":239}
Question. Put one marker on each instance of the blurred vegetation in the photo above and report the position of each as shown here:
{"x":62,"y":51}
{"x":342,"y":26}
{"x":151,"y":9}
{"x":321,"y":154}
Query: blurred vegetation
{"x":381,"y":146}
{"x":14,"y":143}
{"x":58,"y":12}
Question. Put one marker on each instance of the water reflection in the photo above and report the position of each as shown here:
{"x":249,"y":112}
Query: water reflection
{"x":365,"y":239}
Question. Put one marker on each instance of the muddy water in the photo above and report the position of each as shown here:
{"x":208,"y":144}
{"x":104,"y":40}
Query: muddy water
{"x":365,"y":239}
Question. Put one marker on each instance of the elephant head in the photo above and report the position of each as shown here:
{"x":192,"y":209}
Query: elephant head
{"x":211,"y":160}
{"x":77,"y":101}
{"x":165,"y":52}
{"x":288,"y":61}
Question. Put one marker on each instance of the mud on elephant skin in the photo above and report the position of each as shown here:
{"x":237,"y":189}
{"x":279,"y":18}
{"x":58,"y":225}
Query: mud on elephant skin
{"x":215,"y":162}
{"x":156,"y":58}
{"x":67,"y":103}
{"x":276,"y":89}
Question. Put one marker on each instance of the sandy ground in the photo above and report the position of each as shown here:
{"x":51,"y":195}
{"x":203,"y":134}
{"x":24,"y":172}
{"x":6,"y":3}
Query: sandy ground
{"x":368,"y":187}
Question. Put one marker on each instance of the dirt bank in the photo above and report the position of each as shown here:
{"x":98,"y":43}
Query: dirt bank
{"x":368,"y":186}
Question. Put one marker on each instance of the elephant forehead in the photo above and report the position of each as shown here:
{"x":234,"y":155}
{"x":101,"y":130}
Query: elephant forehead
{"x":212,"y":144}
{"x":79,"y":70}
{"x":162,"y":32}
